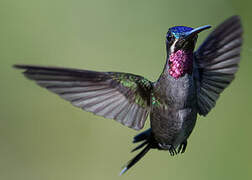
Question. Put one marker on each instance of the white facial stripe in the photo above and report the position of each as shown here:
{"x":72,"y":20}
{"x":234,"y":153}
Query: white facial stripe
{"x":172,"y":48}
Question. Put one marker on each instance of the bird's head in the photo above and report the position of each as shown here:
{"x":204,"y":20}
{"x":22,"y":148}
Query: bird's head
{"x":180,"y":43}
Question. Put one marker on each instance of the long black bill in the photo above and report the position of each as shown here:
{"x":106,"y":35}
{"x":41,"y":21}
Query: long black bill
{"x":196,"y":31}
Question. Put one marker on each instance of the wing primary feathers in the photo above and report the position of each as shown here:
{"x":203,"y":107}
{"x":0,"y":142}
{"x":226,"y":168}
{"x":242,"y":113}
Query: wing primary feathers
{"x":217,"y":61}
{"x":120,"y":96}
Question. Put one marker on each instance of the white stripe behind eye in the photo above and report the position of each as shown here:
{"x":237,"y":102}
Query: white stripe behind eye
{"x":172,"y":48}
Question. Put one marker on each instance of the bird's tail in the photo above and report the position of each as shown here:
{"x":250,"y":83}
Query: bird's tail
{"x":147,"y":143}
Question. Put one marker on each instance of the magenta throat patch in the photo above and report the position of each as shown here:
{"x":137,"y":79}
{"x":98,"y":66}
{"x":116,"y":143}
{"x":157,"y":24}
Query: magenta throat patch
{"x":180,"y":63}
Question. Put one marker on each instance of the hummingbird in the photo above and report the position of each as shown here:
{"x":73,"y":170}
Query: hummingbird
{"x":189,"y":85}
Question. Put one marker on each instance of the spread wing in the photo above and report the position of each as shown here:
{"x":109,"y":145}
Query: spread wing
{"x":217,"y":61}
{"x":120,"y":96}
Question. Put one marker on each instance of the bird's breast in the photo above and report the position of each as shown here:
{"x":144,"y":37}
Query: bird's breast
{"x":173,"y":112}
{"x":175,"y":93}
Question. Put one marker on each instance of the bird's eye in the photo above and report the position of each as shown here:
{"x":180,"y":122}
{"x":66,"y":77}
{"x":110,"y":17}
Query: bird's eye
{"x":169,"y":38}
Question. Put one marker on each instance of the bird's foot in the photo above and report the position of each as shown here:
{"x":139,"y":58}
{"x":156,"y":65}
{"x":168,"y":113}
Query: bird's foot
{"x":182,"y":147}
{"x":172,"y":151}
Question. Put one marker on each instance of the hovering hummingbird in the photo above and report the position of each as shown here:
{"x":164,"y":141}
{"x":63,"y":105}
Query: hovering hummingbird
{"x":189,"y":85}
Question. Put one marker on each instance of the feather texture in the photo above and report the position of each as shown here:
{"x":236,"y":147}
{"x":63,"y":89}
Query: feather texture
{"x":217,"y":61}
{"x":120,"y":96}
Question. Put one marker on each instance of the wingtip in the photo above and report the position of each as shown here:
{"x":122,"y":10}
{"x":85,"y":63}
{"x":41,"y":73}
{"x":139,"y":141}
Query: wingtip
{"x":236,"y":16}
{"x":19,"y":66}
{"x":15,"y":66}
{"x":234,"y":19}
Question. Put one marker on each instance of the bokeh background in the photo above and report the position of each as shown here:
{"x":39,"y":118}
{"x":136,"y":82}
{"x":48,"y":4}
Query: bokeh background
{"x":43,"y":137}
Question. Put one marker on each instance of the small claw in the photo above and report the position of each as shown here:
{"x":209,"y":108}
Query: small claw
{"x":180,"y":147}
{"x":175,"y":151}
{"x":184,"y":147}
{"x":172,"y":151}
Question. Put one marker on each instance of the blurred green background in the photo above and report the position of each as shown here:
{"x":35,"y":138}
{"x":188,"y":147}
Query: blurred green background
{"x":43,"y":137}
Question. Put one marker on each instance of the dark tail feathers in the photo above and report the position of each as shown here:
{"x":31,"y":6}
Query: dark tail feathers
{"x":147,"y":144}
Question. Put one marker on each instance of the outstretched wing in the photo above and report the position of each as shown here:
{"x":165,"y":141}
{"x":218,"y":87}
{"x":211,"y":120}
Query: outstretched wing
{"x":217,"y":61}
{"x":120,"y":96}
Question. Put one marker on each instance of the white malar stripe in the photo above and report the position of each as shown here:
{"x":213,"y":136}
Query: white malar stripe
{"x":172,"y":48}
